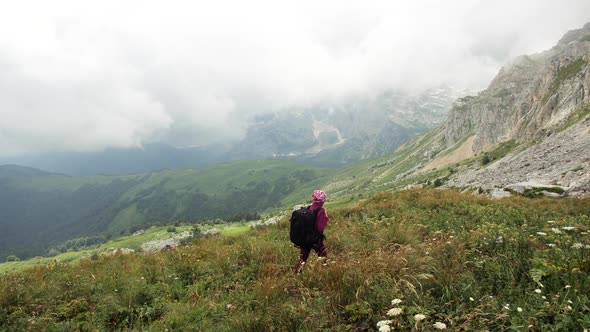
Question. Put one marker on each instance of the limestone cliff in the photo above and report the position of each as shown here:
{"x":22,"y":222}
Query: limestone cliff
{"x":530,"y":127}
{"x":528,"y":97}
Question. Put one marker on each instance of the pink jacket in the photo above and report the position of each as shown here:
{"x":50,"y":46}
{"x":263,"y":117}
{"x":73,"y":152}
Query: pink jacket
{"x":322,"y":218}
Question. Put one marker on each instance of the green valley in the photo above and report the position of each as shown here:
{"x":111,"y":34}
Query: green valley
{"x":38,"y":210}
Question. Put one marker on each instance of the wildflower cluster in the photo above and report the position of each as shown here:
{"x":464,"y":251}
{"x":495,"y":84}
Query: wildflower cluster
{"x":401,"y":319}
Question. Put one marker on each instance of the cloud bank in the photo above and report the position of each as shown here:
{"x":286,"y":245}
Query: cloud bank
{"x":81,"y":75}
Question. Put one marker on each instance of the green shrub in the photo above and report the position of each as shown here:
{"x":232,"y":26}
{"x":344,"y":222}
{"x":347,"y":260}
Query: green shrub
{"x":12,"y":258}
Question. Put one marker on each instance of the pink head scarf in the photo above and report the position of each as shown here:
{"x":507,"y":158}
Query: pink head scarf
{"x":318,"y":196}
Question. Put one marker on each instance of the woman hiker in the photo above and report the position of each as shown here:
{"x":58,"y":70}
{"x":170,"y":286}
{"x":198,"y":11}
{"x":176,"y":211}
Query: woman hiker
{"x":318,"y":197}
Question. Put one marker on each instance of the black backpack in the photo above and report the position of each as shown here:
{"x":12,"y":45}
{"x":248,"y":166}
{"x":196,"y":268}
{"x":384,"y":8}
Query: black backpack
{"x":302,"y":230}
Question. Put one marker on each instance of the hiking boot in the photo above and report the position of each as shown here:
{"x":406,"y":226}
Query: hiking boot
{"x":298,"y":267}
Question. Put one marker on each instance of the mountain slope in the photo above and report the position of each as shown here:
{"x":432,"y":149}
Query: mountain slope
{"x":541,"y":104}
{"x":530,"y":125}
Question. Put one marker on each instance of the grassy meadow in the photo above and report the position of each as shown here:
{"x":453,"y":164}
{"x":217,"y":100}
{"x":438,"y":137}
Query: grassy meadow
{"x":420,"y":259}
{"x":124,"y":243}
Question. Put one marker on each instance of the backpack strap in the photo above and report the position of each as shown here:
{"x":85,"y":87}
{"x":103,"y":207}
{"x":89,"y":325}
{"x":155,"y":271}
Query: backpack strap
{"x":315,"y":214}
{"x":316,"y":211}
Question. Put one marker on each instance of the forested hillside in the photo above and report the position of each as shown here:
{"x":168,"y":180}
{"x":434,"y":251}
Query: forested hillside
{"x":38,"y":209}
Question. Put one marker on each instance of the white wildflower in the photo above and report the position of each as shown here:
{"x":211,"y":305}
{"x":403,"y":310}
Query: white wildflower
{"x":439,"y":326}
{"x":383,"y":323}
{"x":543,"y":297}
{"x":396,"y":301}
{"x":551,"y":245}
{"x":567,"y":286}
{"x":568,"y":228}
{"x":541,"y":233}
{"x":587,"y":246}
{"x":570,"y":302}
{"x":507,"y":307}
{"x":538,"y":291}
{"x":471,"y":299}
{"x":419,"y":317}
{"x":519,"y":309}
{"x":577,"y":246}
{"x":385,"y":328}
{"x":551,"y":221}
{"x":394,"y":312}
{"x":556,"y":230}
{"x":569,"y":307}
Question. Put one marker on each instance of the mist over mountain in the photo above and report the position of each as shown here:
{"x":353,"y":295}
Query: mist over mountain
{"x":84,"y":77}
{"x":325,"y":135}
{"x":340,"y":133}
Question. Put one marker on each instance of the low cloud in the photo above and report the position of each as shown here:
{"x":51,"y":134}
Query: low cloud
{"x":81,"y":76}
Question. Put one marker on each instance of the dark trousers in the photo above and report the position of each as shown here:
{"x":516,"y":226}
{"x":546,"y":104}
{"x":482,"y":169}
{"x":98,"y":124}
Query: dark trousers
{"x":304,"y":255}
{"x":318,"y":248}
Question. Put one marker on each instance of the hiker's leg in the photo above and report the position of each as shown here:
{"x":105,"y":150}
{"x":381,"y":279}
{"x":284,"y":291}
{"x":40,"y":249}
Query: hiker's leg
{"x":303,"y":255}
{"x":320,"y":249}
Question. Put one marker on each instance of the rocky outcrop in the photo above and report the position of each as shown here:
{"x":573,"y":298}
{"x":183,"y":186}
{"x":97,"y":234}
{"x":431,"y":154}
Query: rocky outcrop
{"x":562,"y":159}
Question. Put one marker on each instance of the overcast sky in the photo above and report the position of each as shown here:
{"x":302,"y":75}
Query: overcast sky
{"x":85,"y":75}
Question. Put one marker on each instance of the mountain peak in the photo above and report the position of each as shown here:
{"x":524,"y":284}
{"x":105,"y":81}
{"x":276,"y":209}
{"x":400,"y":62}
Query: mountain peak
{"x":582,"y":34}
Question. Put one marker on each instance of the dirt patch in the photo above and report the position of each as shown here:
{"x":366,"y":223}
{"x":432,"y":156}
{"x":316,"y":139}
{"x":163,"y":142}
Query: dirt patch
{"x":461,"y":153}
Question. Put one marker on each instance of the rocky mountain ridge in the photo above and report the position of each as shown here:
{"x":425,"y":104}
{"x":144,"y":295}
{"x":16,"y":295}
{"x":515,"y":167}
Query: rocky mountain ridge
{"x":536,"y":112}
{"x":527,"y":98}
